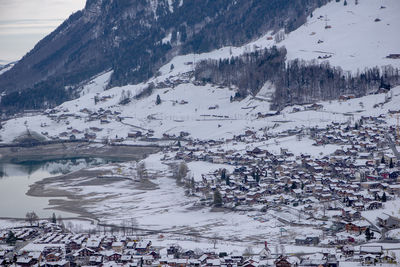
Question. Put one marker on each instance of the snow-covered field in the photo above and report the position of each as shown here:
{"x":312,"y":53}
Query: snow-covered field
{"x":355,"y":40}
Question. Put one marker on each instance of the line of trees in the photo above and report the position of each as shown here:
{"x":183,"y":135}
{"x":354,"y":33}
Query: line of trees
{"x":296,"y":82}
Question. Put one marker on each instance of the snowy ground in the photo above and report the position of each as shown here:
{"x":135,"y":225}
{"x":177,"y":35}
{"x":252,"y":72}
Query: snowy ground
{"x":355,"y":41}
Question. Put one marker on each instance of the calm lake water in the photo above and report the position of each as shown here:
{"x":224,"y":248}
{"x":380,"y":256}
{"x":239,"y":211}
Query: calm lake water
{"x":16,"y":178}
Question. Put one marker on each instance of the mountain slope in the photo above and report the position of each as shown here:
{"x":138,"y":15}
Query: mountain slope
{"x":357,"y":36}
{"x":136,"y":37}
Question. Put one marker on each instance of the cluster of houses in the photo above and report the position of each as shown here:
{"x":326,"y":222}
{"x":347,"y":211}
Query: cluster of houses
{"x":50,"y":245}
{"x":354,"y":179}
{"x":103,"y":116}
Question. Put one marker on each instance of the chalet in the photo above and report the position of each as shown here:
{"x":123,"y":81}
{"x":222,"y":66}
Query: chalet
{"x":93,"y":245}
{"x":136,"y":134}
{"x":374,"y":250}
{"x":311,"y":240}
{"x":96,"y":129}
{"x":25,"y":261}
{"x":90,"y":136}
{"x":113,"y":256}
{"x":255,"y":151}
{"x":84,"y":253}
{"x":142,"y":247}
{"x":96,"y":260}
{"x":388,"y":221}
{"x":357,"y":227}
{"x":348,"y":250}
{"x":346,"y":97}
{"x":282,"y":261}
{"x":117,"y":246}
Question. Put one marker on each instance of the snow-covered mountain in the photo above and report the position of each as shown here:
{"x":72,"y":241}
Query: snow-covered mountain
{"x":207,"y":111}
{"x":136,"y":37}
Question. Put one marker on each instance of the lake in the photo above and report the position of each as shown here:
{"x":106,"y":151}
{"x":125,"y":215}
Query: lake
{"x":16,"y":178}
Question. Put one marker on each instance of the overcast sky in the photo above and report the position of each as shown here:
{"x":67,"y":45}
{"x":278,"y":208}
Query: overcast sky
{"x":24,"y":22}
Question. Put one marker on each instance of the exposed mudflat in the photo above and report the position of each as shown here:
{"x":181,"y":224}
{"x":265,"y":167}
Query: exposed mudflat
{"x":75,"y":201}
{"x":74,"y":150}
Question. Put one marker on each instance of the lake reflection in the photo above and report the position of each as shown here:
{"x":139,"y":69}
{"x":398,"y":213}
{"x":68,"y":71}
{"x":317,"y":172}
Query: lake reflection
{"x":16,"y":178}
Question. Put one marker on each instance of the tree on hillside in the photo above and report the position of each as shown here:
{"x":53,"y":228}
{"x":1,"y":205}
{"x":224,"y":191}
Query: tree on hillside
{"x":183,"y":170}
{"x":345,"y":3}
{"x":217,"y":198}
{"x":391,"y":164}
{"x":158,"y":100}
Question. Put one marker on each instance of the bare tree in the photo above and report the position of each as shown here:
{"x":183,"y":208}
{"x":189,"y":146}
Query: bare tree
{"x":31,"y":217}
{"x":215,"y":240}
{"x":61,"y":222}
{"x":248,"y":251}
{"x":141,"y":170}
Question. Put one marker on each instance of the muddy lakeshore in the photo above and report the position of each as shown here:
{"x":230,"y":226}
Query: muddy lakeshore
{"x":18,"y":154}
{"x":54,"y":187}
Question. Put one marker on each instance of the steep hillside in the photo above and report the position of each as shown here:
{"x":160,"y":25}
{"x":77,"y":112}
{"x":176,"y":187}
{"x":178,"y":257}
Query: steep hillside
{"x":352,"y":36}
{"x":136,"y":37}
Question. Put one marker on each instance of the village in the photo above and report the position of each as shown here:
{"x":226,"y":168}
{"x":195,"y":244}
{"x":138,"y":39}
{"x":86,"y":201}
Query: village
{"x":343,"y":195}
{"x":50,"y":244}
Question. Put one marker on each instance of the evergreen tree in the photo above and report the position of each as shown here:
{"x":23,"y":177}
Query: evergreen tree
{"x":286,"y":188}
{"x":223,"y":174}
{"x":391,"y":164}
{"x":158,"y":100}
{"x":383,"y":159}
{"x":11,"y":238}
{"x":53,"y":218}
{"x":228,"y":182}
{"x":345,"y":3}
{"x":368,"y":234}
{"x":217,"y":198}
{"x":384,"y":198}
{"x":294,"y":186}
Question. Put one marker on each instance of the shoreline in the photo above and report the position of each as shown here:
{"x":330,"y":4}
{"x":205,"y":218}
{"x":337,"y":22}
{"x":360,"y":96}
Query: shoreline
{"x":64,"y":200}
{"x":71,"y":203}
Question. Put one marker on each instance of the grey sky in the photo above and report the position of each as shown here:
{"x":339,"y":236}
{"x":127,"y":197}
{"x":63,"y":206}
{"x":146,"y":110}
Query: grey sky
{"x":24,"y":22}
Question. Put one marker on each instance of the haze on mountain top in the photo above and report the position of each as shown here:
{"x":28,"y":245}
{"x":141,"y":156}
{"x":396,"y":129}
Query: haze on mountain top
{"x":23,"y":23}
